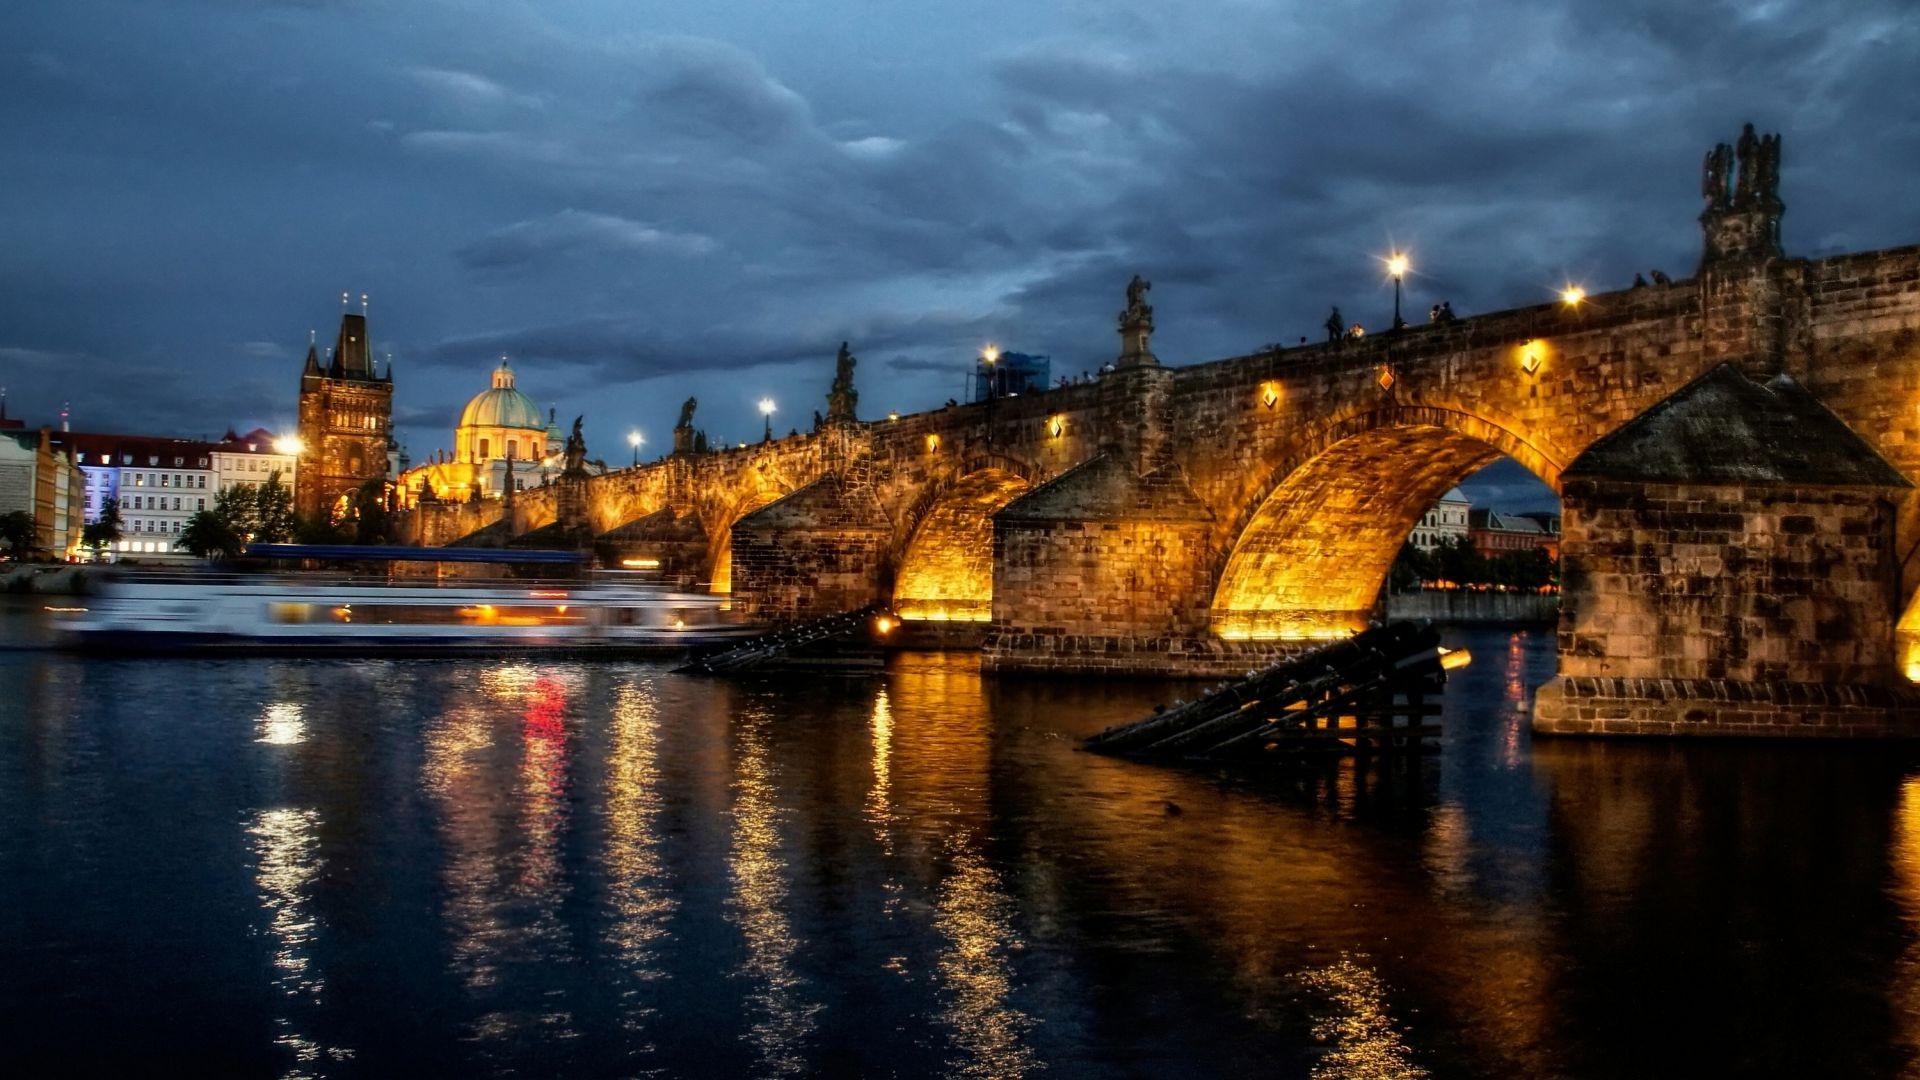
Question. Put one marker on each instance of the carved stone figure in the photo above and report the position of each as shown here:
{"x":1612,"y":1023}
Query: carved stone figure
{"x":576,"y":452}
{"x":686,"y":414}
{"x":1714,"y":176}
{"x":1767,"y":169}
{"x":842,"y":397}
{"x":1336,"y":326}
{"x":1139,"y":313}
{"x":1747,"y":149}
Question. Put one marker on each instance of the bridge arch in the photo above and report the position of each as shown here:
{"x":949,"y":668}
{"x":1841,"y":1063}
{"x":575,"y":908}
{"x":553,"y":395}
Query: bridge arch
{"x":1309,"y":551}
{"x":754,"y":489}
{"x":945,"y":569}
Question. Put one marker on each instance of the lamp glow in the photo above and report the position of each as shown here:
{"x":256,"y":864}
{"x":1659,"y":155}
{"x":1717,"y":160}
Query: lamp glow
{"x":991,"y":354}
{"x":1397,"y":265}
{"x":1572,"y":295}
{"x":288,"y":445}
{"x":766,"y":406}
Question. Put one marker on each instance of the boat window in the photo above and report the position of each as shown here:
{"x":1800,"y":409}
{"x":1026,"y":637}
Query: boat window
{"x":457,"y":615}
{"x":290,"y":613}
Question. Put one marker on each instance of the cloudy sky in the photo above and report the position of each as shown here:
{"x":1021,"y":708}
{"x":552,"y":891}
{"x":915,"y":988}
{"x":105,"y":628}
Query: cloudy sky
{"x":642,"y":201}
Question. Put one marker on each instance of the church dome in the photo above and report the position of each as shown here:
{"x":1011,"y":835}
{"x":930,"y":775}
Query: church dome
{"x":502,"y":406}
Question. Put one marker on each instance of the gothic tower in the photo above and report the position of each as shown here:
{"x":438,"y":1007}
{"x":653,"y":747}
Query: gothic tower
{"x":346,"y":422}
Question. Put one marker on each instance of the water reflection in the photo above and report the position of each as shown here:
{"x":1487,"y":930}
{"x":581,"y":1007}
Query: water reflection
{"x":945,"y":743}
{"x":503,"y":831}
{"x":780,"y":1018}
{"x":1361,"y":1039}
{"x":638,"y":899}
{"x":285,"y":850}
{"x":282,"y":724}
{"x":976,"y":919}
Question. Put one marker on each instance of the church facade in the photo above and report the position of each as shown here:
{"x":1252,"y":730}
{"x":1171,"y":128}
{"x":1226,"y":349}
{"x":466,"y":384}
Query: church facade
{"x":500,"y":442}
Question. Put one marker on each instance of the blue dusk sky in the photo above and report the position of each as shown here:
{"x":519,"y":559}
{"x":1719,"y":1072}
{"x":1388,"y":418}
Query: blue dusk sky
{"x":640,"y":202}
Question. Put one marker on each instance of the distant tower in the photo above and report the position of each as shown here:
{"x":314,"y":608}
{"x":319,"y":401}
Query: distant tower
{"x":346,"y":421}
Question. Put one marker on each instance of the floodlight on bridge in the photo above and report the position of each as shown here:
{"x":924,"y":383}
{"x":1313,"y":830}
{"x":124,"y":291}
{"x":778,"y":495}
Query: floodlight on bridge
{"x":1572,"y":295}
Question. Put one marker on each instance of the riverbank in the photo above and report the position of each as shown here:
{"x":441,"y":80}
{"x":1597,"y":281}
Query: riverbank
{"x":50,"y":579}
{"x":1467,"y":607}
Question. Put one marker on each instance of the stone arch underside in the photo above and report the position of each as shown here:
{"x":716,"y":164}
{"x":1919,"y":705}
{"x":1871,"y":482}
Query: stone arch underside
{"x":757,"y":491}
{"x":1311,"y":560}
{"x":946,"y":571}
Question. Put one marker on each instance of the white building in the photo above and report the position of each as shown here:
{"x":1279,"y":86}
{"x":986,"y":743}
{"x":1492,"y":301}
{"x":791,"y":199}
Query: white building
{"x":160,"y":484}
{"x":251,"y":458}
{"x":1445,"y":522}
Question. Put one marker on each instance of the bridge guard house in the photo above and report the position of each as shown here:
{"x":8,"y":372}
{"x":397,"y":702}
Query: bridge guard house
{"x":1728,"y":568}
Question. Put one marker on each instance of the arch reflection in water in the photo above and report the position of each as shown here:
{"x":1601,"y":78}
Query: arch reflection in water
{"x":286,"y":863}
{"x":780,"y":1019}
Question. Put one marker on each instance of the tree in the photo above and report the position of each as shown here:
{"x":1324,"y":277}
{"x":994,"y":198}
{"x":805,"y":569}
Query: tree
{"x":210,"y":535}
{"x":273,"y":521}
{"x":17,"y":531}
{"x":104,"y":531}
{"x":370,"y":512}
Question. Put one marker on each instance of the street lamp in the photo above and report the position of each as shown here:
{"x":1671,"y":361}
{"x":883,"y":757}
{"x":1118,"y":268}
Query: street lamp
{"x":288,"y":445}
{"x":766,"y":410}
{"x":1572,"y":295}
{"x":1397,"y":269}
{"x":991,"y":356}
{"x":634,"y":440}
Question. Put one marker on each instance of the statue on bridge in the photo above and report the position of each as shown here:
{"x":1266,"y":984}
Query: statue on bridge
{"x":842,"y":397}
{"x":1741,"y":186}
{"x":683,"y":434}
{"x":1336,"y":326}
{"x":1139,"y":313}
{"x":576,"y":452}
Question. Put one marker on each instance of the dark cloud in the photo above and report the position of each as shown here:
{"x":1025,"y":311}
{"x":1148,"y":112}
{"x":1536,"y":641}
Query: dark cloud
{"x":637,"y":218}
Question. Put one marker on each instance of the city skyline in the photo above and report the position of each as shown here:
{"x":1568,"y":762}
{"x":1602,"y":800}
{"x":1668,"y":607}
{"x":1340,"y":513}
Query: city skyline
{"x":643,"y":205}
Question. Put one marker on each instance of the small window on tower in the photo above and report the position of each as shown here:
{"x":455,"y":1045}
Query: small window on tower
{"x":483,"y":448}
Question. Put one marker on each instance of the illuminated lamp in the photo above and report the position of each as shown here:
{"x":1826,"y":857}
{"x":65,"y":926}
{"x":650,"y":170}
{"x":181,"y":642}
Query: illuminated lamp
{"x":933,"y":444}
{"x":1270,"y":394}
{"x":1530,"y":356}
{"x":1055,"y":426}
{"x":1386,"y":379}
{"x":1572,"y":295}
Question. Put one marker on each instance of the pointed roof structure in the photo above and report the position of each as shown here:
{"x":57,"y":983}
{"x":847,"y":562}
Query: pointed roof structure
{"x":352,"y":359}
{"x":1725,"y":428}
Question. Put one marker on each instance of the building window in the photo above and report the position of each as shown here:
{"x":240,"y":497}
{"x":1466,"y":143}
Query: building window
{"x":176,"y":502}
{"x":483,"y":449}
{"x":202,"y":483}
{"x":164,"y":477}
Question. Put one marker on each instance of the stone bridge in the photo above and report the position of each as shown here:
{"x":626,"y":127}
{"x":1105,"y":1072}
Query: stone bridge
{"x":1733,"y":451}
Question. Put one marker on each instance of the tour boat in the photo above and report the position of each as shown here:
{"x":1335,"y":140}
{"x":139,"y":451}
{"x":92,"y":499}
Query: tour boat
{"x":245,"y":613}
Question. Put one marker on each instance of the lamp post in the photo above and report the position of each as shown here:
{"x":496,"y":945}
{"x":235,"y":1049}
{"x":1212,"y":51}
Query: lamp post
{"x":634,"y":440}
{"x":766,"y":410}
{"x":1397,"y":269}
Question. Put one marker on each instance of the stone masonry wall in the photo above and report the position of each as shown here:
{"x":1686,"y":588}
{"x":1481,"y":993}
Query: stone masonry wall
{"x":786,"y":575}
{"x":1098,"y":595}
{"x":1758,"y":583}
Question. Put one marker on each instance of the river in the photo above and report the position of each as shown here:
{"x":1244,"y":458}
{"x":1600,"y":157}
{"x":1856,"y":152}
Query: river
{"x":273,"y":867}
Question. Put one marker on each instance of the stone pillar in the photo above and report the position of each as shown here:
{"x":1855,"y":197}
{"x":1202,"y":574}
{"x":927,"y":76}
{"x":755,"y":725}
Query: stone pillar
{"x":819,"y":551}
{"x":1727,"y":568}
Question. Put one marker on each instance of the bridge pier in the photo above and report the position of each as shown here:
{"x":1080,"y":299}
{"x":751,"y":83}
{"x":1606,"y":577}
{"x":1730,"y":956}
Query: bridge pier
{"x":1728,"y":568}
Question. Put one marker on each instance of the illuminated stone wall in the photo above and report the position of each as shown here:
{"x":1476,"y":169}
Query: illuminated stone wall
{"x":946,"y":573}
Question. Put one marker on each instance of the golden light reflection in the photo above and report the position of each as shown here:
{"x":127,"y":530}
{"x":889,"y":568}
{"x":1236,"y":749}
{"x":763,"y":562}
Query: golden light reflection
{"x":779,"y":1019}
{"x":1363,"y":1039}
{"x":975,"y":916}
{"x":1270,"y":394}
{"x":879,"y":808}
{"x":1904,"y":852}
{"x":283,"y":724}
{"x":640,"y":907}
{"x":286,"y":854}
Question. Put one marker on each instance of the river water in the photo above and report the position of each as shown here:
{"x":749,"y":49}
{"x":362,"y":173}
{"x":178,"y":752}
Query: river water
{"x":280,"y":867}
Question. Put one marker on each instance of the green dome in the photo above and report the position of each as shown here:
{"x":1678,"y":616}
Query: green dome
{"x":502,"y":406}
